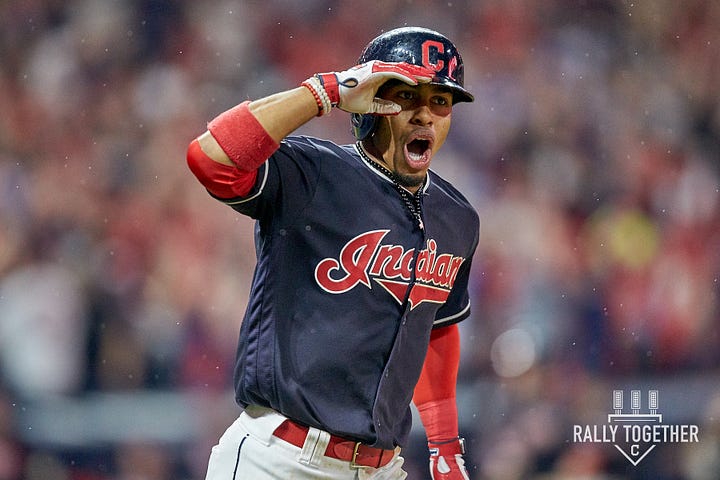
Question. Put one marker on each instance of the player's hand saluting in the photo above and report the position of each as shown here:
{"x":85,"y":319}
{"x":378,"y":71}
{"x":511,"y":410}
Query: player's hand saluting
{"x":446,"y":460}
{"x":354,"y":90}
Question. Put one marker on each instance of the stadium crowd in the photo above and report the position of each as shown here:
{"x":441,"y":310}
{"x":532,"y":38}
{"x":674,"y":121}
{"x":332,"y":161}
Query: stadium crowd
{"x":591,"y":152}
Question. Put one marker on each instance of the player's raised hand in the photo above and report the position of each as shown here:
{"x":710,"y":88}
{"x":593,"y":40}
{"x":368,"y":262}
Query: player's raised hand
{"x":355,"y":90}
{"x":446,"y":460}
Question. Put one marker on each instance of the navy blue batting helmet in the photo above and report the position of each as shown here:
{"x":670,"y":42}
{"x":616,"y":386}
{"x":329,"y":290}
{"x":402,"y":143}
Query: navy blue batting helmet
{"x":417,"y":46}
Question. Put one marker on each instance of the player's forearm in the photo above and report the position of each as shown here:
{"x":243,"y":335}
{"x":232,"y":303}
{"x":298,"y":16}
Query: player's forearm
{"x":439,"y":374}
{"x":436,"y":389}
{"x":283,"y":113}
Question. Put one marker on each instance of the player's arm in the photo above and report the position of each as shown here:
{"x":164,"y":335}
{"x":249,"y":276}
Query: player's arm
{"x":226,"y":157}
{"x":435,"y":399}
{"x":271,"y":119}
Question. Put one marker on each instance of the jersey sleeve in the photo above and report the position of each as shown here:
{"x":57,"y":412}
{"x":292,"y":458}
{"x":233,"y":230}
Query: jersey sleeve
{"x":463,"y":227}
{"x":221,"y":181}
{"x":457,"y":306}
{"x":285,"y":183}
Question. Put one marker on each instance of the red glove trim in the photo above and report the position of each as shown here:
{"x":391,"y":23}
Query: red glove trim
{"x":446,"y":461}
{"x":223,"y":181}
{"x":243,"y":139}
{"x":330,"y":82}
{"x":450,"y":448}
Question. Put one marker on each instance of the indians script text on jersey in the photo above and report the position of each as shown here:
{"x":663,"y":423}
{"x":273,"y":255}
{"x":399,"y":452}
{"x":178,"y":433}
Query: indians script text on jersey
{"x":365,"y":257}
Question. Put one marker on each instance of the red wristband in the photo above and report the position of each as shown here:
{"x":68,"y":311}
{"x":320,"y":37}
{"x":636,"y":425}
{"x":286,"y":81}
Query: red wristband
{"x":242,"y":138}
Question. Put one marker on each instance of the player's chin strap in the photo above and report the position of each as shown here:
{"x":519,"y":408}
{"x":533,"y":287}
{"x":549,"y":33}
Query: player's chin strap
{"x":446,"y":460}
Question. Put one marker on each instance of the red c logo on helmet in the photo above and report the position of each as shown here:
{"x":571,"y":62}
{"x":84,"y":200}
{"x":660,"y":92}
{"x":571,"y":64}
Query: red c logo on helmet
{"x":426,"y":48}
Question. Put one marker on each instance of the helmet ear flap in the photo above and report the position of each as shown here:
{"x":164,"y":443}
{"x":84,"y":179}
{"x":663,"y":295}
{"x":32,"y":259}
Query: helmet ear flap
{"x":363,"y":125}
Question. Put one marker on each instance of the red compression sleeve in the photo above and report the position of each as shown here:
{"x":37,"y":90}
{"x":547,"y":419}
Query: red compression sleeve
{"x":435,"y":391}
{"x":223,"y":181}
{"x":242,"y":137}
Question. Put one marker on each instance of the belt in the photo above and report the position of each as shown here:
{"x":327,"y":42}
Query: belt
{"x":358,"y":454}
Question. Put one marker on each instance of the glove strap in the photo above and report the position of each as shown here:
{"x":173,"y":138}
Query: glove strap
{"x":329,"y":81}
{"x":456,"y":446}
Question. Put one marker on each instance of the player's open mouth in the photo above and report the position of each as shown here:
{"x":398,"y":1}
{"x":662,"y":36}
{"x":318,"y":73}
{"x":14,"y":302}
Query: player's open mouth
{"x":418,"y":150}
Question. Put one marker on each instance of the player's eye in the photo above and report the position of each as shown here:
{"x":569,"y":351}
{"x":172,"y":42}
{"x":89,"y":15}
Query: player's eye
{"x":406,"y":94}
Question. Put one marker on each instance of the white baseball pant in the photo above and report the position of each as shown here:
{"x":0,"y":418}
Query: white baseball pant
{"x":249,"y":450}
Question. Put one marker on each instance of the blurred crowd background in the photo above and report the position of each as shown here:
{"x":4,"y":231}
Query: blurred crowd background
{"x":591,"y":153}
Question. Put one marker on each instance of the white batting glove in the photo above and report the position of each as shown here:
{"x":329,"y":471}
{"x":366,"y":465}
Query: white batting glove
{"x":446,"y":460}
{"x":354,"y":90}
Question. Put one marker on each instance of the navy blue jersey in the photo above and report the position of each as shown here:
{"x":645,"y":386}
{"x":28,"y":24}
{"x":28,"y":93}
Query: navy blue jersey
{"x":346,"y":289}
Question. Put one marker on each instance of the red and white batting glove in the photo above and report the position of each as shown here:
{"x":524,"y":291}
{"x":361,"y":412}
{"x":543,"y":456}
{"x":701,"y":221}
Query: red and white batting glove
{"x":446,"y":460}
{"x":354,"y":90}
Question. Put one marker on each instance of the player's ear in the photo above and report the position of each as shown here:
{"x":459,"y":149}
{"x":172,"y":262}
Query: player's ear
{"x":381,"y":135}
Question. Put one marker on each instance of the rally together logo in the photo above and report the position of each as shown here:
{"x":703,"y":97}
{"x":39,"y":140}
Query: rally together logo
{"x":364,"y":258}
{"x":637,"y":433}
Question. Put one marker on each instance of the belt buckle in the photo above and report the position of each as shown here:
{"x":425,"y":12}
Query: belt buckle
{"x":354,"y":456}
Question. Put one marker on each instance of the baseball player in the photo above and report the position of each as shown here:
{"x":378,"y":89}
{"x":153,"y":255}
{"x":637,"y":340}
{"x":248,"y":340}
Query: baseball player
{"x":363,"y":258}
